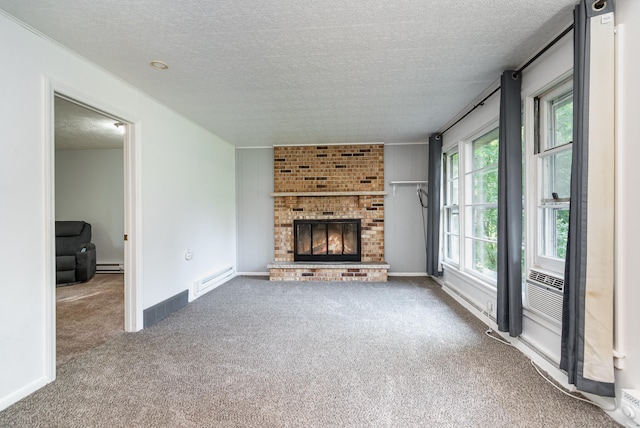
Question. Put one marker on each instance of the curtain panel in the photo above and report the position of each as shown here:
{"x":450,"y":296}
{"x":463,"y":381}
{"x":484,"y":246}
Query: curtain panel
{"x":433,"y":205}
{"x":587,"y":325}
{"x":509,"y":279}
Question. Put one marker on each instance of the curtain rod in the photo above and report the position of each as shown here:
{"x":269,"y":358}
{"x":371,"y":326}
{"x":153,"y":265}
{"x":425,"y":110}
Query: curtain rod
{"x":518,"y":72}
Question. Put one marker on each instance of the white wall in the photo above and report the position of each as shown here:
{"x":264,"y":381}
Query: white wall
{"x":628,"y":197}
{"x":186,"y":198}
{"x":404,"y":242}
{"x":90,"y":187}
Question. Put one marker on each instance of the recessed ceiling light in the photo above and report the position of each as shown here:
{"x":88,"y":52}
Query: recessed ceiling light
{"x":159,"y":65}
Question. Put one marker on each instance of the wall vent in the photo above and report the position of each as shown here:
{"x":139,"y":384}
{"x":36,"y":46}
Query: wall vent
{"x":209,"y":282}
{"x":165,"y":308}
{"x":544,"y":295}
{"x":546,"y":279}
{"x":630,"y":404}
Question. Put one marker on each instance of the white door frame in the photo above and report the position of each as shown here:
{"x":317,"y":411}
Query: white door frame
{"x":133,"y":320}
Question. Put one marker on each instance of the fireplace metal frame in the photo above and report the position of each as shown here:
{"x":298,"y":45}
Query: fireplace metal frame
{"x":328,"y":257}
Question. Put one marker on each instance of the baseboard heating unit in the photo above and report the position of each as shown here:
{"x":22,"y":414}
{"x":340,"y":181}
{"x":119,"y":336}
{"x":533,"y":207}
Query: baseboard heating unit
{"x":209,"y":282}
{"x":109,"y":268}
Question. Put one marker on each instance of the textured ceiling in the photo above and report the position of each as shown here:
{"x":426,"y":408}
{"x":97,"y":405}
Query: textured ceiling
{"x":263,"y":72}
{"x":77,"y":128}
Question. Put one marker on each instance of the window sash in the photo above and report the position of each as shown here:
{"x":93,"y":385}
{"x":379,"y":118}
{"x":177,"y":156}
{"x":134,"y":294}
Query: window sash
{"x":555,"y":175}
{"x":553,"y":123}
{"x":482,"y":257}
{"x":452,"y":253}
{"x":553,"y":227}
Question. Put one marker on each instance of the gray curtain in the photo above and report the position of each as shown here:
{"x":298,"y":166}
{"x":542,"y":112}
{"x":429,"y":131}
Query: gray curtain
{"x":509,"y":301}
{"x":587,"y":337}
{"x":433,"y":207}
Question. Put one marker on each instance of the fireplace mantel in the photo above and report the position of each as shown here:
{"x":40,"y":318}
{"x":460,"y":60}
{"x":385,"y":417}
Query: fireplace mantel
{"x":356,"y":193}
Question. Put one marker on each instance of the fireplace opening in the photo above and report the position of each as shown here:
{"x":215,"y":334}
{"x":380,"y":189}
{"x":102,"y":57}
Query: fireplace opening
{"x":326,"y":240}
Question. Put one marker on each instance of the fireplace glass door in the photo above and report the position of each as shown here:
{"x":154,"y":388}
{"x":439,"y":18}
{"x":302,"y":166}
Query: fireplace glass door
{"x":327,"y":240}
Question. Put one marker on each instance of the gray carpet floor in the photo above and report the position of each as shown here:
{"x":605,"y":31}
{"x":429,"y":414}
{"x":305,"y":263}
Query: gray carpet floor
{"x":254,"y":353}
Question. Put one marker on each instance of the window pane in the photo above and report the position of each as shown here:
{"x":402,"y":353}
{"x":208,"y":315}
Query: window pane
{"x":485,"y":150}
{"x":453,"y":248}
{"x":484,"y":257}
{"x":452,"y":197}
{"x":484,"y":222}
{"x":485,"y":186}
{"x":561,"y":121}
{"x":453,"y":165}
{"x":452,"y":217}
{"x":555,"y":227}
{"x":454,"y":220}
{"x":556,"y":176}
{"x":562,"y":233}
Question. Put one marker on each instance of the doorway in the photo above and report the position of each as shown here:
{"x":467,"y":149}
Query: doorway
{"x":89,"y":191}
{"x":91,"y":150}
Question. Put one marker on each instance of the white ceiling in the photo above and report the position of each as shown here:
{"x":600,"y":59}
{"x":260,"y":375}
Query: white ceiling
{"x":77,"y":128}
{"x":263,"y":72}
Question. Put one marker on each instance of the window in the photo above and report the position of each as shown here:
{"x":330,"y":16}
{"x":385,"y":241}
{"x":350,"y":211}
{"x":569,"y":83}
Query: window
{"x":481,"y":205}
{"x":554,"y":131}
{"x":452,"y":211}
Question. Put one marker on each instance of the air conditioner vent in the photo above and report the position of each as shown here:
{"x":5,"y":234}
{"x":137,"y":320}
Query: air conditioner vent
{"x":545,"y":279}
{"x":630,"y":405}
{"x":544,"y":300}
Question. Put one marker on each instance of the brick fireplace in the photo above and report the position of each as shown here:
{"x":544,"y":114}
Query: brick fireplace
{"x":333,"y":182}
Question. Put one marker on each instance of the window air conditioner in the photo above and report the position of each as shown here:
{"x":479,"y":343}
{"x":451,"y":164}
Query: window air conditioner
{"x":543,"y":294}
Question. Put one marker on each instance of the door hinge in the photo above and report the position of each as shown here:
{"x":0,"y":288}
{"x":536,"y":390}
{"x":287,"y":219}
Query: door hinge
{"x":126,"y":237}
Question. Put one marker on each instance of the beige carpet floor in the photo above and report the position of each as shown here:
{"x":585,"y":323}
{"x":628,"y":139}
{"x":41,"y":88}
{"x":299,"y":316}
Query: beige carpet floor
{"x":88,"y":314}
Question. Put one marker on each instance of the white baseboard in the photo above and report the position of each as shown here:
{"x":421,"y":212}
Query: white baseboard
{"x":23,"y":392}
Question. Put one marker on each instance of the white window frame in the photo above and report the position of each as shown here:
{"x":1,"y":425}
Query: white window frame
{"x":450,"y":205}
{"x":537,"y":153}
{"x":466,"y":225}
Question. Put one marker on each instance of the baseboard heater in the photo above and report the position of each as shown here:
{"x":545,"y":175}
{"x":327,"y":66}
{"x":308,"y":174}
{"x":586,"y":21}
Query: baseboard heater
{"x":209,"y":282}
{"x":109,"y":268}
